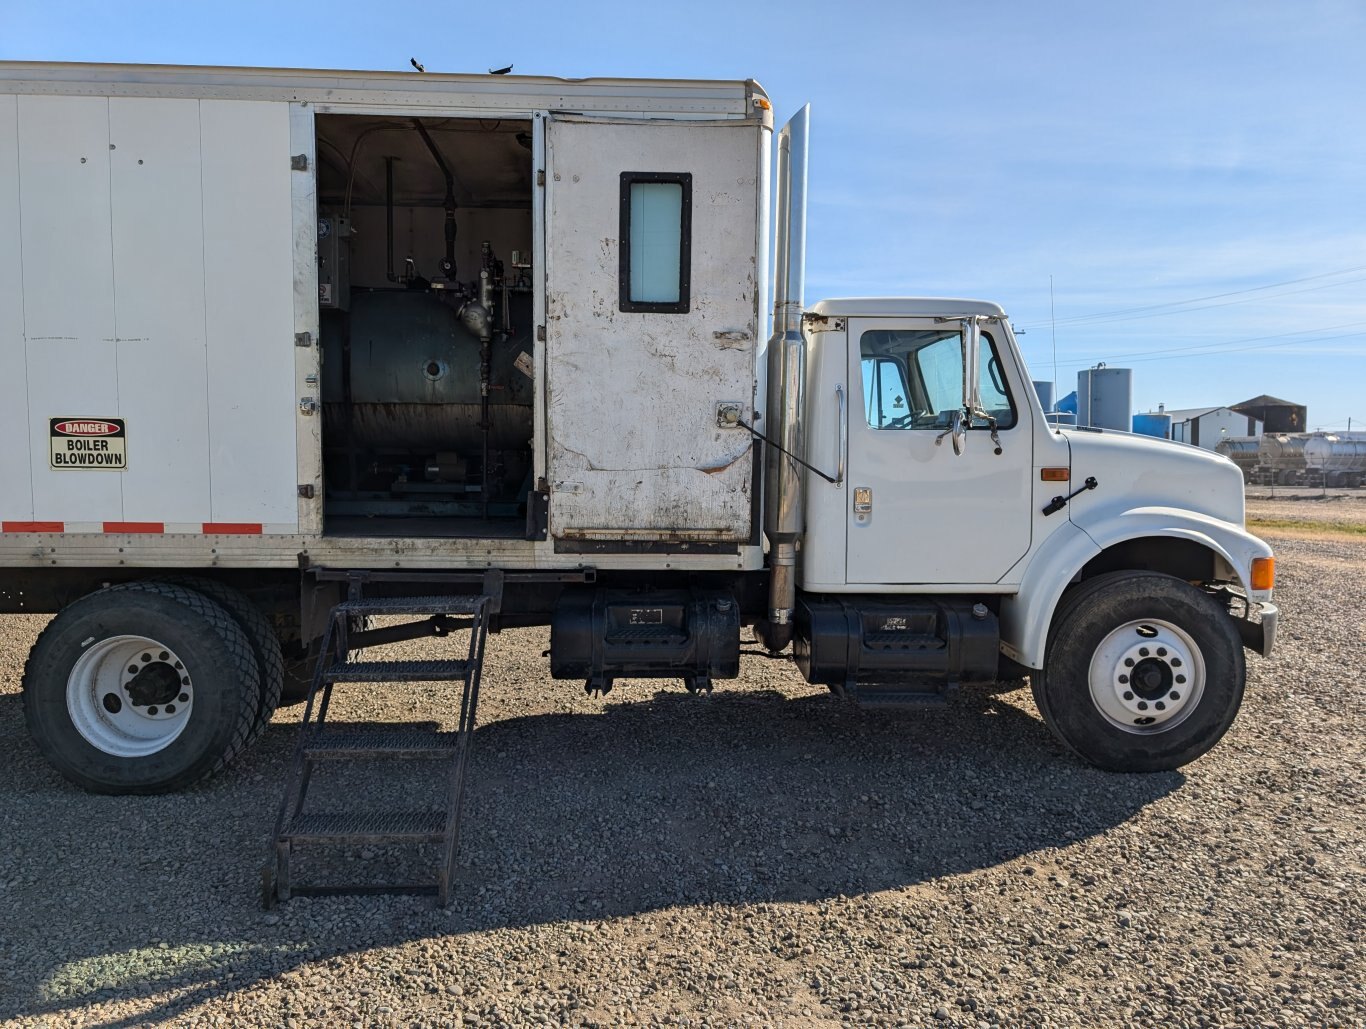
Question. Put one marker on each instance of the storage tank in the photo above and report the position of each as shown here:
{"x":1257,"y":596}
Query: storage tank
{"x":1105,"y":397}
{"x":1045,"y":392}
{"x":1068,"y":403}
{"x":1159,"y":425}
{"x":1244,"y":451}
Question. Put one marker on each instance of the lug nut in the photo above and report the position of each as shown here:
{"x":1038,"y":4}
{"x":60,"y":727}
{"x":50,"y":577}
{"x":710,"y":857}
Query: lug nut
{"x":1173,"y":695}
{"x":1142,"y":705}
{"x":1180,"y":678}
{"x":1128,"y":695}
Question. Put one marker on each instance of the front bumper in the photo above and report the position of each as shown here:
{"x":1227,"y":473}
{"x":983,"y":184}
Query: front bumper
{"x":1260,"y":636}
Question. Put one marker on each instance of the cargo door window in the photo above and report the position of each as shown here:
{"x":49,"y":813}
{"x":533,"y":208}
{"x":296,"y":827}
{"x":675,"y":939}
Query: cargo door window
{"x":656,"y":242}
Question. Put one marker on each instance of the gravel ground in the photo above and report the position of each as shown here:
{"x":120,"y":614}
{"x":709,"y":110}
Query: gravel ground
{"x":762,"y":856}
{"x":1335,"y":508}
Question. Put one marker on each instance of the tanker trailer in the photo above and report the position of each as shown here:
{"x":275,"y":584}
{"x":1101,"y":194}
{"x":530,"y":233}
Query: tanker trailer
{"x":1339,"y":456}
{"x":1244,"y":451}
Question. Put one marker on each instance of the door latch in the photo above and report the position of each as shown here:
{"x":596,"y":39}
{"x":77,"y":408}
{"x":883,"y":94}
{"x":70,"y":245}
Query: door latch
{"x":1059,"y":502}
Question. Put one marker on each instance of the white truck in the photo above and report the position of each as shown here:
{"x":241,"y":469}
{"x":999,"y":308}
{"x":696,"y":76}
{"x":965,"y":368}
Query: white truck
{"x":270,"y":339}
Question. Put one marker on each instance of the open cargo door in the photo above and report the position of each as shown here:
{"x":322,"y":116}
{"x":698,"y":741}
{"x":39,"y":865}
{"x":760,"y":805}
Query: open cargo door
{"x":651,"y":325}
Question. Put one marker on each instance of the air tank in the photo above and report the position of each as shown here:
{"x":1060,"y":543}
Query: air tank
{"x":1105,"y":397}
{"x":1045,"y":392}
{"x":409,"y":379}
{"x":1159,"y":425}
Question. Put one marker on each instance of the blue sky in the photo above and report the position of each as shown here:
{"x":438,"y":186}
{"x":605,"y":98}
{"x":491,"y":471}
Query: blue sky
{"x":1191,"y":175}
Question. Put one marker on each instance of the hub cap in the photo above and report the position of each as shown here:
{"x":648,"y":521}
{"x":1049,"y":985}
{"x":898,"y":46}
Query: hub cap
{"x":129,"y":696}
{"x":1147,"y":676}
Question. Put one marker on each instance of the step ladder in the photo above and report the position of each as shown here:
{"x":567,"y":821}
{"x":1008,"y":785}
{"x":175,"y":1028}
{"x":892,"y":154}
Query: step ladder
{"x":318,"y":744}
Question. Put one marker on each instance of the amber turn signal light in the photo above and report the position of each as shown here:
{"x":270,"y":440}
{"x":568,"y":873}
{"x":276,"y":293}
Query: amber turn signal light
{"x":1054,"y":474}
{"x":1263,"y":573}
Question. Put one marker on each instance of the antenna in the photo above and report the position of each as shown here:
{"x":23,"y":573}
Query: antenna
{"x":1052,"y":318}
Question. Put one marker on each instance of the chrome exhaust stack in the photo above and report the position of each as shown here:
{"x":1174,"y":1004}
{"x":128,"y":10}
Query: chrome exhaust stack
{"x":783,"y":499}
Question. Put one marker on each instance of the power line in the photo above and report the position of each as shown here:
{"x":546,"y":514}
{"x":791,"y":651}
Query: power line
{"x":1181,"y":306}
{"x":1222,"y":343}
{"x":1186,"y":352}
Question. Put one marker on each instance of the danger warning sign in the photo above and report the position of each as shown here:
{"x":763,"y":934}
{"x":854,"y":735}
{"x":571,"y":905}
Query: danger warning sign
{"x":99,"y":443}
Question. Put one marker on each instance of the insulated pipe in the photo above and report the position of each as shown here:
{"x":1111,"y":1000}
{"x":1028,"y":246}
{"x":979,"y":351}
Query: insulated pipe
{"x":448,"y":264}
{"x":783,"y":514}
{"x":389,"y":219}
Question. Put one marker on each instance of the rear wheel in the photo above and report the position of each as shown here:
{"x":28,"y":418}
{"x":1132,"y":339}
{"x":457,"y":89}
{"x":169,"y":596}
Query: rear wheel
{"x":1144,"y":672}
{"x":138,"y":690}
{"x":260,"y":633}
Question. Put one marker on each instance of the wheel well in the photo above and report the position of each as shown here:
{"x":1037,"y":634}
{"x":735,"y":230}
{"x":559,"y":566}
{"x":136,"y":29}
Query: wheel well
{"x":1182,"y":558}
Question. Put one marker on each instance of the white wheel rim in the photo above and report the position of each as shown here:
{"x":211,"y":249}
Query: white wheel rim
{"x":129,"y":696}
{"x":1147,"y":676}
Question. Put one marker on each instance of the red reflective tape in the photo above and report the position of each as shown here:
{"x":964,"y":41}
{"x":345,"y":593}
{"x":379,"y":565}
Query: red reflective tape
{"x":134,"y":526}
{"x":232,"y":528}
{"x":32,"y":526}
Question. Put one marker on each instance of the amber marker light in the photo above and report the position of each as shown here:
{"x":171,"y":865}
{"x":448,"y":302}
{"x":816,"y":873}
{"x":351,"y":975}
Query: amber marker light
{"x":1054,"y":474}
{"x":1263,"y":573}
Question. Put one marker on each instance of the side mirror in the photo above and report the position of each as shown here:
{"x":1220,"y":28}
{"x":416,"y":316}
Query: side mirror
{"x":958,"y":430}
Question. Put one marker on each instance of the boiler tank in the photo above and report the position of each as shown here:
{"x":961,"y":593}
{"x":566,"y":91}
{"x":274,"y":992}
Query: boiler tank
{"x":410,"y":376}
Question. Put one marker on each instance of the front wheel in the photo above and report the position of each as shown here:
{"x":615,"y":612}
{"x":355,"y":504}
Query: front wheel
{"x":1144,"y":672}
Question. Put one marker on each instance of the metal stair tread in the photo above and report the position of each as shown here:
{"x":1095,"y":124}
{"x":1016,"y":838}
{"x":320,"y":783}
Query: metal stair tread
{"x":456,"y":604}
{"x":366,"y":827}
{"x":397,"y":671}
{"x":360,"y":743}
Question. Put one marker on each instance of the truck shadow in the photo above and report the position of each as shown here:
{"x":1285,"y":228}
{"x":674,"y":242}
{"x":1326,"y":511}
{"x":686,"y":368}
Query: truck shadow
{"x":741,"y":798}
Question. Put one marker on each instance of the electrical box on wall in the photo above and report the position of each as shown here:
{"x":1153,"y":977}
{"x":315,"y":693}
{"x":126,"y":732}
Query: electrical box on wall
{"x":334,"y":262}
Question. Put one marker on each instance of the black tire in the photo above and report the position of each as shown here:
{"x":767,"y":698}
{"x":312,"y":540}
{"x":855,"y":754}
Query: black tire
{"x":260,"y":633}
{"x":1112,"y":615}
{"x":215,"y":654}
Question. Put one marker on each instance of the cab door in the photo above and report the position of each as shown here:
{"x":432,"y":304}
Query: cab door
{"x":918,"y":512}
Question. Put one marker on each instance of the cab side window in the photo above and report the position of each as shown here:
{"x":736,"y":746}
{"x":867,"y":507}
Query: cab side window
{"x":913,"y":379}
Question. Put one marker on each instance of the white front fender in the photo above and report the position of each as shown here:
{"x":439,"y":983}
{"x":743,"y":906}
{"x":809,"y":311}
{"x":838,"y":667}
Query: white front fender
{"x":1027,"y":615}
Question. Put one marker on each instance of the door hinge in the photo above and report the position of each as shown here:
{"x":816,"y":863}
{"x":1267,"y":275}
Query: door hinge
{"x":303,"y":339}
{"x":540,"y":334}
{"x":299,"y":162}
{"x":306,"y":491}
{"x":308,"y":405}
{"x":540,"y":177}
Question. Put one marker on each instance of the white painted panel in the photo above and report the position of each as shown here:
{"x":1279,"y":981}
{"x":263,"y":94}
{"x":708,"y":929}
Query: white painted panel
{"x":631,"y":398}
{"x":159,"y":307}
{"x":68,"y":293}
{"x":16,"y":483}
{"x":249,"y":303}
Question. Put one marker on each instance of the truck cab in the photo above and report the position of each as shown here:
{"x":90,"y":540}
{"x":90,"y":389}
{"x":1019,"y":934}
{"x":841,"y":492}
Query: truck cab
{"x":958,"y":522}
